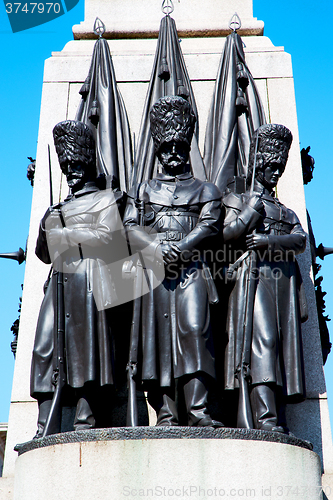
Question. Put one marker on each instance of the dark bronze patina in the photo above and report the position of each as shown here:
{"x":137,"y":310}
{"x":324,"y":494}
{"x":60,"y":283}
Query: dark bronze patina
{"x":235,"y":113}
{"x":73,"y":356}
{"x":177,"y":362}
{"x":103,"y":110}
{"x":19,"y":256}
{"x":169,"y":77}
{"x":174,"y":213}
{"x":267,"y":304}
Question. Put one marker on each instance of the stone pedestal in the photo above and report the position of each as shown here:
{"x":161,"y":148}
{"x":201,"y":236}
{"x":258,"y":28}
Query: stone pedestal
{"x":169,"y":463}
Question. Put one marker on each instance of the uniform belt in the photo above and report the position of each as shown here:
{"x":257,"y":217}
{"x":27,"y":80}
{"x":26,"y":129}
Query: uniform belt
{"x":171,"y":236}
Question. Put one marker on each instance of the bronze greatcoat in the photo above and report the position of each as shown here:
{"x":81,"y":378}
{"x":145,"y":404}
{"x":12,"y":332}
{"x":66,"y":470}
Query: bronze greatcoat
{"x":89,"y":217}
{"x":176,"y":334}
{"x":279,"y":304}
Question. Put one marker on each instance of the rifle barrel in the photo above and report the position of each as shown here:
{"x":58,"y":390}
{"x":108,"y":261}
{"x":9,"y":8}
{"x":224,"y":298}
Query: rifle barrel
{"x":50,"y":176}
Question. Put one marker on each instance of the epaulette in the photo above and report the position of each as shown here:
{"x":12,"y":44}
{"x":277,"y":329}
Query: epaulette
{"x":234,"y":200}
{"x":210,"y":192}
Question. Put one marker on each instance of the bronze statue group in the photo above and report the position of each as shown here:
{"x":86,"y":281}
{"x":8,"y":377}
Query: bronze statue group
{"x":84,"y":335}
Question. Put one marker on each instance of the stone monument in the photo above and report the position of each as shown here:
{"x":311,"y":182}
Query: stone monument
{"x":148,"y":461}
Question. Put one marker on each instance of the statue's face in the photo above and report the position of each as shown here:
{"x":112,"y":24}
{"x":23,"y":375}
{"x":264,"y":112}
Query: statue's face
{"x":273,"y":172}
{"x":76,"y":174}
{"x":173,"y":156}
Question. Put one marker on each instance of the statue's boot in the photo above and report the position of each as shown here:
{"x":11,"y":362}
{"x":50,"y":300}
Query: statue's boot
{"x":167,"y":413}
{"x":84,"y":418}
{"x":263,"y":404}
{"x":44,"y":406}
{"x":196,"y":395}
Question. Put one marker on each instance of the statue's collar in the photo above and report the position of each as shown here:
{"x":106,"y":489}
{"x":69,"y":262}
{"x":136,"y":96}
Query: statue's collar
{"x":89,"y":187}
{"x":172,"y":178}
{"x":258,"y":188}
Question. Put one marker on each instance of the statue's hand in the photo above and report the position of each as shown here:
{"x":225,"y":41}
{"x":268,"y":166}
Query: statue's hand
{"x":256,"y":241}
{"x":256,"y":203}
{"x":170,"y":253}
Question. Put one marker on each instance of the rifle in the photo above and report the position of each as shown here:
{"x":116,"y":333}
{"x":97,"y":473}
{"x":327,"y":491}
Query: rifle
{"x":50,"y":176}
{"x":244,"y":412}
{"x":53,"y":422}
{"x":48,"y":279}
{"x":132,"y":365}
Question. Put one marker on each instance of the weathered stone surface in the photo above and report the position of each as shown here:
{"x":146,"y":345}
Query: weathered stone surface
{"x":311,"y":411}
{"x":130,"y":433}
{"x":72,"y":64}
{"x":6,"y":488}
{"x":23,"y":426}
{"x":178,"y":467}
{"x":128,"y":19}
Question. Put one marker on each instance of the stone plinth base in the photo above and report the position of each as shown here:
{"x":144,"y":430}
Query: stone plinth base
{"x":6,"y":488}
{"x":128,"y":19}
{"x":150,"y":462}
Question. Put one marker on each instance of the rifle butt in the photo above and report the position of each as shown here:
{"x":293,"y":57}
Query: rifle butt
{"x":53,"y":422}
{"x":244,"y":413}
{"x":132,"y":404}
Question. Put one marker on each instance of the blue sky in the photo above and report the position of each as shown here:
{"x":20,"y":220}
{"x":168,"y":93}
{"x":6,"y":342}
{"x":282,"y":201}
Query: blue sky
{"x":298,"y":25}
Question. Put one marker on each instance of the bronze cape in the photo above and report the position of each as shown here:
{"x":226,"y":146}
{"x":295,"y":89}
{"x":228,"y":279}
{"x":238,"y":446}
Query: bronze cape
{"x":88,"y":340}
{"x":279,"y":305}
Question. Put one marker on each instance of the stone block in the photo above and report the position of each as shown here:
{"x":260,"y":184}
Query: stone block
{"x":212,"y":45}
{"x":262,"y":89}
{"x":199,"y":468}
{"x":309,"y":421}
{"x":124,"y":20}
{"x":74,"y":100}
{"x":22,"y":428}
{"x":134,"y":95}
{"x":6,"y":488}
{"x":72,"y":64}
{"x":327,"y":485}
{"x":327,"y":439}
{"x":269,"y":64}
{"x":203,"y":92}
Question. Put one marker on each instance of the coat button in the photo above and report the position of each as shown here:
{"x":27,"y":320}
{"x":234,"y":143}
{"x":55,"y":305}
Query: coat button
{"x":175,"y":197}
{"x":166,"y":315}
{"x":67,"y":315}
{"x":65,"y":279}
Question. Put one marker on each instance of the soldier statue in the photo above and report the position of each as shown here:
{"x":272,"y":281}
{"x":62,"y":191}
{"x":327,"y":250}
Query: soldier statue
{"x":267,"y":304}
{"x":75,"y":235}
{"x":180,"y":213}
